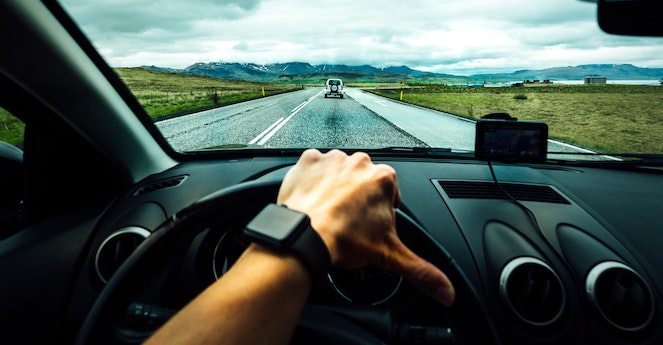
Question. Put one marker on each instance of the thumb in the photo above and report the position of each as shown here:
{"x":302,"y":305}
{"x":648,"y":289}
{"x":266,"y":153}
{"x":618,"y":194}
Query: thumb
{"x":423,"y":275}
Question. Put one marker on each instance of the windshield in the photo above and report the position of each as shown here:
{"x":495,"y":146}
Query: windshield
{"x":226,"y":75}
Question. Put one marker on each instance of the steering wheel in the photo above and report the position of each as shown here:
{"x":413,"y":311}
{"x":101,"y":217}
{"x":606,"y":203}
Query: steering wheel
{"x":470,"y":321}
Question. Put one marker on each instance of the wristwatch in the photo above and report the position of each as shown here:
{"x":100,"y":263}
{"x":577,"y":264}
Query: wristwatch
{"x":285,"y":230}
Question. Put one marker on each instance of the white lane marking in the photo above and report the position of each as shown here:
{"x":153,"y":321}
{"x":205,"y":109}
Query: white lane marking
{"x":262,"y":138}
{"x":581,"y":150}
{"x":265,"y":131}
{"x":382,"y":103}
{"x":299,"y":106}
{"x":570,"y":146}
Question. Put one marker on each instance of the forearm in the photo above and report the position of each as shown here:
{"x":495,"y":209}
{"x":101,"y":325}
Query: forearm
{"x":258,"y":301}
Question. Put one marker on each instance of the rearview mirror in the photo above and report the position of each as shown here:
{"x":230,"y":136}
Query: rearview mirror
{"x":631,"y":17}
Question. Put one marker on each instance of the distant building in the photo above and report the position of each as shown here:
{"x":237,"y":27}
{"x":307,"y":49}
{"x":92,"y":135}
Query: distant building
{"x":533,"y":82}
{"x":595,"y":80}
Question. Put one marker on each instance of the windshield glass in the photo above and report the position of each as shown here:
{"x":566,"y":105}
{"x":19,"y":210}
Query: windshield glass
{"x":410,"y":74}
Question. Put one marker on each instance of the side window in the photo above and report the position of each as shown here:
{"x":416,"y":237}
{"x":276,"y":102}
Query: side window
{"x":11,"y":128}
{"x":11,"y":172}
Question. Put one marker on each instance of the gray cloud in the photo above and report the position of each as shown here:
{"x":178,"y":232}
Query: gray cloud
{"x":137,"y":16}
{"x":449,"y":36}
{"x":243,"y":46}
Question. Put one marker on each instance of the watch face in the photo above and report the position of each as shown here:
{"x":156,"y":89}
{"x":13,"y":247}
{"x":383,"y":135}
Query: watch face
{"x":277,"y":224}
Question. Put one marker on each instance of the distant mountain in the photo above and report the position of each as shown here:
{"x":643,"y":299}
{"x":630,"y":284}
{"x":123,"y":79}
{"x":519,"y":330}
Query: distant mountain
{"x":611,"y":71}
{"x":161,"y":69}
{"x":301,"y":71}
{"x":248,"y":71}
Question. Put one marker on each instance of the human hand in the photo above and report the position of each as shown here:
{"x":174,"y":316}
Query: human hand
{"x":351,"y":203}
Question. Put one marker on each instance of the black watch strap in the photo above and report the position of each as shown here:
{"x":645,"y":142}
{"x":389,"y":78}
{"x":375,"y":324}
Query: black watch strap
{"x":313,"y":252}
{"x":284,"y":230}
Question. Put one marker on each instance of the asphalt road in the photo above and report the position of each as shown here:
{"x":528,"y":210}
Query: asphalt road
{"x":305,"y":118}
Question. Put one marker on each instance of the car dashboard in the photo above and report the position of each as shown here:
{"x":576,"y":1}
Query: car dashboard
{"x":548,"y":253}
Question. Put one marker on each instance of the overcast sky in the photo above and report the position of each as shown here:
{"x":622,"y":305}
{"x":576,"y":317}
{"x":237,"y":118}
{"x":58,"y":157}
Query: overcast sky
{"x":459,"y":37}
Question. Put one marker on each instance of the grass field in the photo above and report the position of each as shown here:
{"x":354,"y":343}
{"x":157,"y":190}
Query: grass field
{"x":11,"y":128}
{"x":168,"y":93}
{"x":607,"y":118}
{"x":164,"y":94}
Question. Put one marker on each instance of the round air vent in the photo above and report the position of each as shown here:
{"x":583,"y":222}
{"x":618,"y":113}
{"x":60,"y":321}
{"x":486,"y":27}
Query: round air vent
{"x":620,"y":295}
{"x":533,"y":291}
{"x":116,"y":249}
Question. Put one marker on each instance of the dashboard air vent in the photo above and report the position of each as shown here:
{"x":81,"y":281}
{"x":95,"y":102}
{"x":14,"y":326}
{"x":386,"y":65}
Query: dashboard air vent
{"x":533,"y":291}
{"x":160,"y":184}
{"x":490,"y":190}
{"x":116,"y":249}
{"x":621,"y":296}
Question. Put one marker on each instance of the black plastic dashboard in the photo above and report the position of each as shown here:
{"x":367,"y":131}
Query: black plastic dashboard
{"x":555,"y":254}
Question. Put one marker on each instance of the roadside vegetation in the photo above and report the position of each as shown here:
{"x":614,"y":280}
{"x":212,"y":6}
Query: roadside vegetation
{"x":607,"y":118}
{"x":169,"y":94}
{"x":11,"y":128}
{"x":163,"y":94}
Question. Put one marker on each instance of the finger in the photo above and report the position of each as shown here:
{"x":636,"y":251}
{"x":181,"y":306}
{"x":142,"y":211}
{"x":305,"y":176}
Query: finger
{"x":386,"y":176}
{"x":310,"y":155}
{"x":431,"y":281}
{"x":335,"y":154}
{"x":423,"y":275}
{"x":397,"y":194}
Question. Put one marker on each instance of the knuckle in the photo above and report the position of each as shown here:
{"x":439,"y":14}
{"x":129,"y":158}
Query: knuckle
{"x":310,"y":155}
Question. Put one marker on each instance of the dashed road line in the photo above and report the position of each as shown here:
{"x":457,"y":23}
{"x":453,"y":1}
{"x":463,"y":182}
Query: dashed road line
{"x":267,"y":134}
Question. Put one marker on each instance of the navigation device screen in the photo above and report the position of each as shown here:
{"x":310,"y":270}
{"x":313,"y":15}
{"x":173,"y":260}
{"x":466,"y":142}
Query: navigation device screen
{"x":511,"y":140}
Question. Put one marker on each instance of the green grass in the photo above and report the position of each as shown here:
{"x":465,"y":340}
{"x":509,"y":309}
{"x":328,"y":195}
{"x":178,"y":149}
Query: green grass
{"x":163,"y":94}
{"x":169,"y":93}
{"x":11,"y":128}
{"x":607,"y":118}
